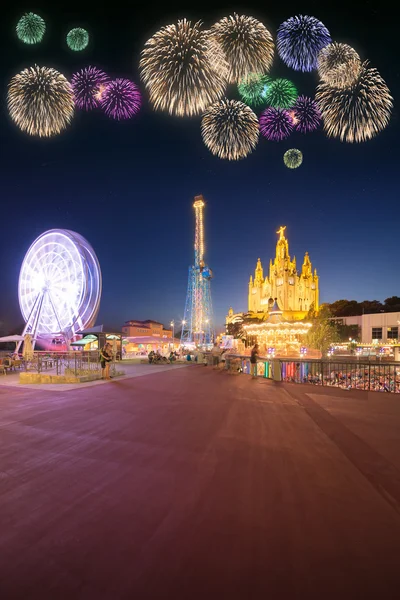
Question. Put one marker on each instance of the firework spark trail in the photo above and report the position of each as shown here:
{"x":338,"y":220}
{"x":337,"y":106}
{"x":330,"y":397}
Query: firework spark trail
{"x":252,"y":88}
{"x":281,"y":93}
{"x":357,"y":113}
{"x":31,"y":28}
{"x":276,"y":124}
{"x":299,"y":40}
{"x":339,"y":65}
{"x":293,"y":158}
{"x":77,"y":39}
{"x":183,"y":69}
{"x":307,"y":116}
{"x":40,"y":101}
{"x":121,"y":99}
{"x":247,"y":45}
{"x":88,"y":85}
{"x":230,"y":129}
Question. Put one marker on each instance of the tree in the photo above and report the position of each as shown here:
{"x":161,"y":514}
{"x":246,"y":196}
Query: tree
{"x":392,"y":304}
{"x":324,"y":331}
{"x":345,"y":308}
{"x":370,"y":307}
{"x":235,"y":329}
{"x":346,"y":332}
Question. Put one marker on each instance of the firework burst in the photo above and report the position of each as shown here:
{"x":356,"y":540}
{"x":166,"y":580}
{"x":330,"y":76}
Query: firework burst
{"x":30,"y":28}
{"x":252,"y":88}
{"x":306,"y":115}
{"x":77,"y":39}
{"x":339,"y":65}
{"x":230,"y":129}
{"x":357,"y":113}
{"x":88,"y":85}
{"x":183,"y":69}
{"x":40,"y":101}
{"x":121,"y":99}
{"x":247,"y":45}
{"x":299,"y":40}
{"x":293,"y":158}
{"x":281,"y":93}
{"x":276,"y":124}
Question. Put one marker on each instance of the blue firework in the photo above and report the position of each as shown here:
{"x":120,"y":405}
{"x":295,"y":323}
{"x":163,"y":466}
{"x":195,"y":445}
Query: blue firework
{"x":299,"y":40}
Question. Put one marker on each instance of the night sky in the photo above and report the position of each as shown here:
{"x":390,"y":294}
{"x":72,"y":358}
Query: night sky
{"x":128,"y":186}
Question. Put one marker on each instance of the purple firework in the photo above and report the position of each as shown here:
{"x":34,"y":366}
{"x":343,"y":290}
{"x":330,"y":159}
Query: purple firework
{"x":299,"y":40}
{"x":306,"y":115}
{"x":276,"y":124}
{"x":121,"y":99}
{"x":87,"y":85}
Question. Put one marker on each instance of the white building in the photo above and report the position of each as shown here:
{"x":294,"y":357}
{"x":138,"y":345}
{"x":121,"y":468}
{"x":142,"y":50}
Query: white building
{"x":381,"y":328}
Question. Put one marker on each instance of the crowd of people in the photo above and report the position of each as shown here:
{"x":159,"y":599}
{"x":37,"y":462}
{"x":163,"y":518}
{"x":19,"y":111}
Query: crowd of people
{"x":155,"y":357}
{"x":375,"y":379}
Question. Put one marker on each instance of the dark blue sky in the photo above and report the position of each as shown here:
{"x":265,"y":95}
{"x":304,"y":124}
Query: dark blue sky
{"x":128,"y":187}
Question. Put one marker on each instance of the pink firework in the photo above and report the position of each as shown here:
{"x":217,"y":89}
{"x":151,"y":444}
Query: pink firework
{"x":87,"y":85}
{"x":121,"y":99}
{"x":306,"y":115}
{"x":276,"y":124}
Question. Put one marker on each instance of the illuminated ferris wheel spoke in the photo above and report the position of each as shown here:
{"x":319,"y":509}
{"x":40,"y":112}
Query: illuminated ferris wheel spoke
{"x":60,"y":284}
{"x":55,"y":310}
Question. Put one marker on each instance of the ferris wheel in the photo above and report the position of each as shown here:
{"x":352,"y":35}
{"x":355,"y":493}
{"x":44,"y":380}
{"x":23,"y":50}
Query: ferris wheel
{"x":59,"y":285}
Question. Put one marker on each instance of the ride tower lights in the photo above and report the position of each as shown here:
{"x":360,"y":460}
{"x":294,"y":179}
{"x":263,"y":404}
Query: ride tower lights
{"x":198,"y":320}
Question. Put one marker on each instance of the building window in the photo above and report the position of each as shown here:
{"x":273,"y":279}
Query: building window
{"x":377,"y":333}
{"x":392,"y":333}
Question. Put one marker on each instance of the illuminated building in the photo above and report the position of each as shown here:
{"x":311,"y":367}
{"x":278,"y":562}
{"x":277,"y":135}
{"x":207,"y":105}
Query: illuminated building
{"x":144,"y":328}
{"x":295,"y":290}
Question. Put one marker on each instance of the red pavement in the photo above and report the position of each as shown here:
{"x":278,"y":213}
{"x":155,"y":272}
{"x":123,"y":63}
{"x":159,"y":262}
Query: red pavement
{"x":195,"y":484}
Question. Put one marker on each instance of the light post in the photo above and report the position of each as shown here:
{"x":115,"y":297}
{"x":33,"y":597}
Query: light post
{"x":173,"y":333}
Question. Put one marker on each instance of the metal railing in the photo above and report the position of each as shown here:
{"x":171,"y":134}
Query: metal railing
{"x":384,"y":377}
{"x":378,"y":377}
{"x":65,"y":363}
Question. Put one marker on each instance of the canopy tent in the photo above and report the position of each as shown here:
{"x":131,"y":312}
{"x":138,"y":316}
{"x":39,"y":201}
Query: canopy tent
{"x":104,"y":334}
{"x":84,"y":341}
{"x":12,"y":338}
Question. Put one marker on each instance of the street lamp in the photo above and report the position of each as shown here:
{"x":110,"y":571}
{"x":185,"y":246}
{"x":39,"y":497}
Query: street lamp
{"x":173,"y":332}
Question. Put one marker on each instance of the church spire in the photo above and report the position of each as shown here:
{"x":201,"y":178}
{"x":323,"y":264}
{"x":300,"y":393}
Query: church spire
{"x":306,"y":270}
{"x":259,"y":273}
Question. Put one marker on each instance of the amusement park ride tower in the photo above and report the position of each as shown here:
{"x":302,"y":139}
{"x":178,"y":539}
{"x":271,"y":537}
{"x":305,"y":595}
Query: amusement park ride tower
{"x":198,"y":321}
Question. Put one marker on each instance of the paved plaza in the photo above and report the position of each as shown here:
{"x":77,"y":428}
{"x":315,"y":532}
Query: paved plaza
{"x":188,"y":483}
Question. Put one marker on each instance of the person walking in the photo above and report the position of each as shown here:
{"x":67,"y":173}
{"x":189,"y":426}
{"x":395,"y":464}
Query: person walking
{"x":105,"y":358}
{"x":215,"y":353}
{"x":253,"y":360}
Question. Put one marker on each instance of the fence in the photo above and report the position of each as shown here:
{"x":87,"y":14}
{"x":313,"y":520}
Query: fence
{"x":68,"y":363}
{"x":383,"y":377}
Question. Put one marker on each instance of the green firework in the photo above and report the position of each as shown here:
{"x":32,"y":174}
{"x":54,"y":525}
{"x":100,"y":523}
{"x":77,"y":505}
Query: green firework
{"x":252,"y":88}
{"x":78,"y":39}
{"x":281,"y":94}
{"x":293,"y":158}
{"x":30,"y":28}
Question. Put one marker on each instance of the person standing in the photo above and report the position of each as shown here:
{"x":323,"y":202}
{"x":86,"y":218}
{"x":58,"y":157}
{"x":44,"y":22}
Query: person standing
{"x":106,"y":357}
{"x":253,"y":360}
{"x":215,"y":353}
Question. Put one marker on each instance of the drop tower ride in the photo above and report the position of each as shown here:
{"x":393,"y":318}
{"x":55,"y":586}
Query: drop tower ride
{"x":198,"y":320}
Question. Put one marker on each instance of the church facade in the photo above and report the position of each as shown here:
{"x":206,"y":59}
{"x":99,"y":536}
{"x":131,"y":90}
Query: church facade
{"x":295,"y":290}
